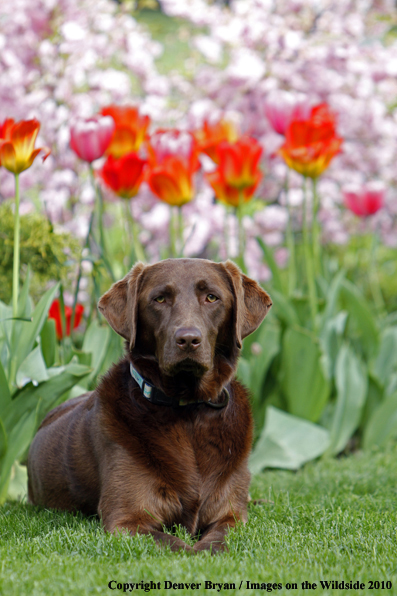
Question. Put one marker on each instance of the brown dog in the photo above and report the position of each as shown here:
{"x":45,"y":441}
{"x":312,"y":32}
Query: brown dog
{"x":175,"y":451}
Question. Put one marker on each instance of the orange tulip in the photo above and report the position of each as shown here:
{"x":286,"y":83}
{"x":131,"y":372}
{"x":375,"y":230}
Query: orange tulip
{"x":238,"y":162}
{"x":172,"y":182}
{"x":211,"y":135}
{"x":17,"y":140}
{"x":172,"y":163}
{"x":130,"y":132}
{"x":125,"y":175}
{"x":228,"y":194}
{"x":311,"y":144}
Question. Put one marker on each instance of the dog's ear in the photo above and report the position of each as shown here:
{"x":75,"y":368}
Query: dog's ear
{"x":252,"y":303}
{"x":120,"y":304}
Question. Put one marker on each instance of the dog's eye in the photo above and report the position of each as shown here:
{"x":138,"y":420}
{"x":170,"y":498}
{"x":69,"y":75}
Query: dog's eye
{"x":211,"y":298}
{"x":160,"y":299}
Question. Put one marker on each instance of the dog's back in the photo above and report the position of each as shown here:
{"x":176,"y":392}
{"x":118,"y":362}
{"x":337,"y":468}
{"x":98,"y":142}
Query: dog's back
{"x":62,"y":470}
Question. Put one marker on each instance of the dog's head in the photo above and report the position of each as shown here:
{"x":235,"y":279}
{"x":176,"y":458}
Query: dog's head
{"x":188,"y":316}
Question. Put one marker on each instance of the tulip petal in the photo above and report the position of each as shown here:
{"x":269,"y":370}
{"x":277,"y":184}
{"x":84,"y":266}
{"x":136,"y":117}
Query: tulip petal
{"x":8,"y":157}
{"x":171,"y":182}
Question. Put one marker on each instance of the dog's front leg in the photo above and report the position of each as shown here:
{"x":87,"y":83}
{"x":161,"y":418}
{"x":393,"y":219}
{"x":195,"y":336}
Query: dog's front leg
{"x":213,"y":538}
{"x":141,"y":525}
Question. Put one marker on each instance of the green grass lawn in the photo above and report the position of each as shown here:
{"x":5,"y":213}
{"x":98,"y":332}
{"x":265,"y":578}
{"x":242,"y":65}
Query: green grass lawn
{"x":333,"y":520}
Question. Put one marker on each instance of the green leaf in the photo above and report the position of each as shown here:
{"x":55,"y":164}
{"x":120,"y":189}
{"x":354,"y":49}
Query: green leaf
{"x":360,"y":312}
{"x":19,"y":439}
{"x":284,"y":309}
{"x":5,"y":323}
{"x":25,"y":334}
{"x":331,"y":340}
{"x":76,"y":391}
{"x":96,"y":342}
{"x":244,"y":372}
{"x":24,"y":304}
{"x":302,"y":377}
{"x":48,"y":392}
{"x":383,"y":424}
{"x":32,"y":369}
{"x":276,"y":279}
{"x":333,"y":293}
{"x":268,"y":346}
{"x":351,"y":385}
{"x":5,"y":395}
{"x":18,"y":486}
{"x":287,"y":442}
{"x":375,"y":395}
{"x":48,"y":342}
{"x":386,"y":361}
{"x":3,"y":441}
{"x":114,"y":352}
{"x":391,"y":386}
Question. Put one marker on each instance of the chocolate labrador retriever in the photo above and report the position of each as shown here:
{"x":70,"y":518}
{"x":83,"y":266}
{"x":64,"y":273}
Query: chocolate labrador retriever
{"x":166,"y":436}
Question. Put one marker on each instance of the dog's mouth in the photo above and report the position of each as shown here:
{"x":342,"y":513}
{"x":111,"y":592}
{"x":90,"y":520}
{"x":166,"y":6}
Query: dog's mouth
{"x":188,"y":365}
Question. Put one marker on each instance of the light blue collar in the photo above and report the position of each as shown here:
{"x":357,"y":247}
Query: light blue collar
{"x":158,"y":397}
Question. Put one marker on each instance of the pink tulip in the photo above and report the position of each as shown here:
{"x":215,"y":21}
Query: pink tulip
{"x":90,"y":138}
{"x":365,"y":200}
{"x":281,"y":107}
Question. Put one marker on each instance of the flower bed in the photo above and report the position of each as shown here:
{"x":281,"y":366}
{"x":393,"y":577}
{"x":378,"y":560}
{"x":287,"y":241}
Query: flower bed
{"x":276,"y":152}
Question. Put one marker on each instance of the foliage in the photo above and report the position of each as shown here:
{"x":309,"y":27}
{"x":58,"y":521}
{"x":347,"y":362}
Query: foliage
{"x":341,"y":376}
{"x":48,"y":253}
{"x":331,"y":520}
{"x":30,"y":385}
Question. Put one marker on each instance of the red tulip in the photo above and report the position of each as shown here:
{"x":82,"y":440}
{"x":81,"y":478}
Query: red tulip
{"x":130,"y":129}
{"x":311,"y":144}
{"x":55,"y":313}
{"x":125,"y":175}
{"x":172,"y":163}
{"x":211,"y":135}
{"x":17,"y":140}
{"x":90,"y":138}
{"x":365,"y":200}
{"x":6,"y":128}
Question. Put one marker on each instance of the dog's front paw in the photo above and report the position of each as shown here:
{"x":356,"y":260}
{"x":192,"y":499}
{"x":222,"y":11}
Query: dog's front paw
{"x":215,"y":547}
{"x":175,"y":544}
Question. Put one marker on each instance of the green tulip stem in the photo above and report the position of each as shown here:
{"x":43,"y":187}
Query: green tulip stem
{"x":241,"y":238}
{"x":290,"y":242}
{"x":309,"y":260}
{"x":138,"y":248}
{"x":316,"y":230}
{"x":374,"y":282}
{"x":15,"y":273}
{"x":100,"y":213}
{"x":226,"y":230}
{"x":129,"y":259}
{"x":172,"y":233}
{"x":80,"y":272}
{"x":180,"y":231}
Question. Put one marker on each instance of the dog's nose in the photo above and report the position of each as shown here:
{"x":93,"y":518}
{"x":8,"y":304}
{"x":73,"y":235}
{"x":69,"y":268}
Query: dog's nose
{"x":188,"y":338}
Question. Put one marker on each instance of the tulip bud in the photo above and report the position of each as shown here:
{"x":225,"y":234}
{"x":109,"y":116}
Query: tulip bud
{"x":90,"y":138}
{"x":366,"y":200}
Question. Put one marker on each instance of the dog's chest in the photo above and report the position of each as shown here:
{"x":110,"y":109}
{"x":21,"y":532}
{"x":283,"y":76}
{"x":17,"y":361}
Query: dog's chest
{"x":195,"y":470}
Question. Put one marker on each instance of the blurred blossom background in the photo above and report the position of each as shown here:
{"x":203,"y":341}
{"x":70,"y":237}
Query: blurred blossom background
{"x":182,"y":62}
